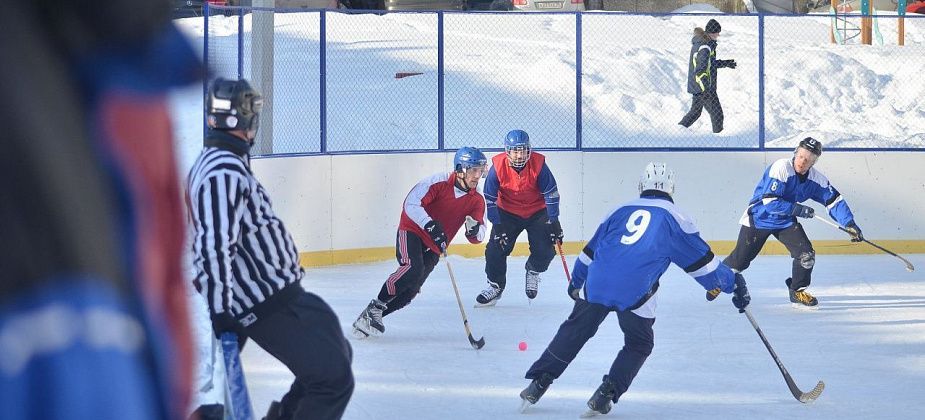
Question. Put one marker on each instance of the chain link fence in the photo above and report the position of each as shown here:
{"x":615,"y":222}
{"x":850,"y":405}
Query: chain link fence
{"x":507,"y":71}
{"x":848,"y":94}
{"x":378,"y":82}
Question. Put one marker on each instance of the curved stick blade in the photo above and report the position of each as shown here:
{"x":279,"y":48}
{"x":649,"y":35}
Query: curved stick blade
{"x":477,"y":344}
{"x":808,"y":397}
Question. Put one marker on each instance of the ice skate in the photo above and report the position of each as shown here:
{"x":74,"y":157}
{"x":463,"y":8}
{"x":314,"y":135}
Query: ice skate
{"x":801,"y":299}
{"x":532,"y":393}
{"x":370,"y":320}
{"x":602,"y":400}
{"x":489,"y":296}
{"x":532,"y":283}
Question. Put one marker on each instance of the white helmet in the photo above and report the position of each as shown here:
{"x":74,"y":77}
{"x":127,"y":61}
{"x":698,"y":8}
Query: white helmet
{"x":657,"y":177}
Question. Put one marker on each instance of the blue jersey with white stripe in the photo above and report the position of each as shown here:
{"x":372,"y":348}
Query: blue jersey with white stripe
{"x":771,"y":206}
{"x":621,"y":265}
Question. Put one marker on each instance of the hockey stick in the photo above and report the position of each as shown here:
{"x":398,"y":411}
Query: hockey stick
{"x":477,"y":344}
{"x":909,"y":266}
{"x":240,"y":400}
{"x":803,"y":397}
{"x":564,"y":264}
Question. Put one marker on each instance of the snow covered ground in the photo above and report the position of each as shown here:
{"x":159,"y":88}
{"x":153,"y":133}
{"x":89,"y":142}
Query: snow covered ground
{"x":866,"y":342}
{"x":519,"y":69}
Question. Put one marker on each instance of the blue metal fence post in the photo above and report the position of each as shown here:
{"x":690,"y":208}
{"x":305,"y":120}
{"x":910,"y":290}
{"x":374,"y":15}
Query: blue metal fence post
{"x":205,"y":63}
{"x":761,"y":95}
{"x":323,"y":101}
{"x":240,"y":42}
{"x":440,"y":73}
{"x":578,"y":80}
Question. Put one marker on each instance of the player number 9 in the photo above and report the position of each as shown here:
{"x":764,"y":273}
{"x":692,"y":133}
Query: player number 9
{"x":636,"y":226}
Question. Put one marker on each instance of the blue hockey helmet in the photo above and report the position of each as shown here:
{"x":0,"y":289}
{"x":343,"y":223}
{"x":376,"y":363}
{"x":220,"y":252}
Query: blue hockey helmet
{"x":518,"y":142}
{"x":470,"y":157}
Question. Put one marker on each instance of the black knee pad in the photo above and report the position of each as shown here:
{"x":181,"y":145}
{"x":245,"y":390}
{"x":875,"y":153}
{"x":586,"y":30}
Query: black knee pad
{"x":808,"y":259}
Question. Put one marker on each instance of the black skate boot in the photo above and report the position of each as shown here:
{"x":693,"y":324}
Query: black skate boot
{"x":489,"y":296}
{"x":370,"y":320}
{"x":801,"y":298}
{"x":532,"y":283}
{"x":602,"y":400}
{"x":532,"y":393}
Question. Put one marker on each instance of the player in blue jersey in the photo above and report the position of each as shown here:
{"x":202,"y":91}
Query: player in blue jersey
{"x":773,"y":210}
{"x":618,"y":271}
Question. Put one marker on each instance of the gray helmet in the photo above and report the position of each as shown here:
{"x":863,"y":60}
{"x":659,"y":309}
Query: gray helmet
{"x":233,"y":105}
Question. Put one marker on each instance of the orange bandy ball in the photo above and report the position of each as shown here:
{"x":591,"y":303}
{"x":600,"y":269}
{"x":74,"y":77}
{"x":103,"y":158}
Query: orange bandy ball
{"x":522,"y":346}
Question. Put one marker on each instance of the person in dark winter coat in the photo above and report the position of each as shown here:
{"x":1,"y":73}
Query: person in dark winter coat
{"x":701,"y":78}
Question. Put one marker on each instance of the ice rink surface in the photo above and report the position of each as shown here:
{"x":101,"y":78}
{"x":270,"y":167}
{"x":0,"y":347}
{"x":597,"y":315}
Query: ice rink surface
{"x":866,"y":341}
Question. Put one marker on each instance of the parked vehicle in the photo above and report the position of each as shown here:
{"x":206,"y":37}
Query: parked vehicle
{"x":363,"y":4}
{"x":193,"y":8}
{"x":549,"y":5}
{"x":425,"y":4}
{"x":448,"y":5}
{"x":489,"y":5}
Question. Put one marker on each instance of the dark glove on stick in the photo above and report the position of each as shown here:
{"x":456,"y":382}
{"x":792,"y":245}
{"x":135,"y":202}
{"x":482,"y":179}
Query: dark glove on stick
{"x":437,"y":234}
{"x":555,"y":231}
{"x":222,"y":323}
{"x":731,"y":64}
{"x":574,"y":292}
{"x":740,"y":296}
{"x":800,"y":210}
{"x":854,"y":231}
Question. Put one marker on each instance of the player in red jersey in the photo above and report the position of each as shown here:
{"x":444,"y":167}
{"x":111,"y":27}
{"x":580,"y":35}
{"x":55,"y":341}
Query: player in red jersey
{"x":433,"y":212}
{"x":522,"y":195}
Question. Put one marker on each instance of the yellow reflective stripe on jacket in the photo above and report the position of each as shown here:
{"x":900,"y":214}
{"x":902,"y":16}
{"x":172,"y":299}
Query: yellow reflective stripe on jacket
{"x":700,"y":82}
{"x":706,"y":72}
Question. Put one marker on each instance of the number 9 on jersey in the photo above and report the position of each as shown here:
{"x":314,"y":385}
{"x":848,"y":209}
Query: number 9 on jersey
{"x":636,"y":226}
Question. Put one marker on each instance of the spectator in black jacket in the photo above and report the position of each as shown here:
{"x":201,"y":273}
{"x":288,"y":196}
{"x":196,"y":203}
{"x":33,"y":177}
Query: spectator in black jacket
{"x":701,"y":77}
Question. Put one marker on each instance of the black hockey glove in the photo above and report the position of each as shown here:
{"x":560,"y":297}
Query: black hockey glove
{"x":437,"y":234}
{"x":555,"y":231}
{"x":800,"y":210}
{"x":854,"y":231}
{"x":222,"y":323}
{"x":731,"y":64}
{"x":574,"y":292}
{"x":499,"y":236}
{"x":472,"y":228}
{"x":740,"y":296}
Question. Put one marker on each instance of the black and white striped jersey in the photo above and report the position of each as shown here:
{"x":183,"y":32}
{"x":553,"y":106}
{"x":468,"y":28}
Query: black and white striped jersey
{"x":242,"y":253}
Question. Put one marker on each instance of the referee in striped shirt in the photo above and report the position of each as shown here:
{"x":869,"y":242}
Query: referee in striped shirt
{"x":247,"y":266}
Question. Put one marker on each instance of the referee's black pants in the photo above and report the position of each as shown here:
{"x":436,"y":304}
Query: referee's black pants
{"x":306,"y":336}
